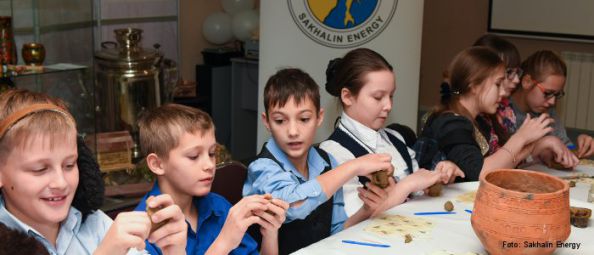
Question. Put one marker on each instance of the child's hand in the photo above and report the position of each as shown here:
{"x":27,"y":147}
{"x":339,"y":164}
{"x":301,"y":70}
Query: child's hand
{"x":129,"y":230}
{"x":273,"y":217}
{"x":374,"y":197}
{"x":386,"y":204}
{"x":390,"y":170}
{"x":566,"y":158}
{"x":172,"y":236}
{"x":448,"y":171}
{"x":365,"y":165}
{"x":551,"y":149}
{"x":585,"y":145}
{"x":535,"y":128}
{"x":271,"y":220}
{"x":240,"y":217}
{"x":420,"y":180}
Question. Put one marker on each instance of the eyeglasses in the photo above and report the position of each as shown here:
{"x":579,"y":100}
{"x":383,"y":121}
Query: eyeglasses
{"x":550,"y":94}
{"x":510,"y":73}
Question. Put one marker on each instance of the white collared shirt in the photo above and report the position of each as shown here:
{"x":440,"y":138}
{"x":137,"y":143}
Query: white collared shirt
{"x":74,"y":237}
{"x":379,"y":142}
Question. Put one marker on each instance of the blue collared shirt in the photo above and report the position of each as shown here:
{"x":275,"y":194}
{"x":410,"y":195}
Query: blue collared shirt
{"x":74,"y":236}
{"x":212,"y":213}
{"x":286,"y":183}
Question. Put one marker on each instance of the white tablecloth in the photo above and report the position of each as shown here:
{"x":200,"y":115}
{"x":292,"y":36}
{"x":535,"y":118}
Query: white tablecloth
{"x":452,"y":232}
{"x":581,"y":190}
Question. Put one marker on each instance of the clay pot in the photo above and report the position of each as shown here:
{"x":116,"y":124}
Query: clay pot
{"x":518,"y":208}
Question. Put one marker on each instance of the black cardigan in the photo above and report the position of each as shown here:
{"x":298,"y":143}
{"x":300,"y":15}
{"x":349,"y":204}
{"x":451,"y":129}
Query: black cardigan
{"x":454,"y":135}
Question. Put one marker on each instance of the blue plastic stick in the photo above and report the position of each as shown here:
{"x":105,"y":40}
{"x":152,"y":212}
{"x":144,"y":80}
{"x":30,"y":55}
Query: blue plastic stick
{"x":366,"y":244}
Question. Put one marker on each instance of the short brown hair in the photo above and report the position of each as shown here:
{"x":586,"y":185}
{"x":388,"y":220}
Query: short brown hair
{"x":56,"y":124}
{"x":287,"y":83}
{"x":161,"y":128}
{"x":18,"y":242}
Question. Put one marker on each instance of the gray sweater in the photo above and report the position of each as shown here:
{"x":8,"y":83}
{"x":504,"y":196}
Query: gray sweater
{"x":558,"y":127}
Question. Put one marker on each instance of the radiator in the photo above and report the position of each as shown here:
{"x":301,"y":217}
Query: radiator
{"x":577,"y":107}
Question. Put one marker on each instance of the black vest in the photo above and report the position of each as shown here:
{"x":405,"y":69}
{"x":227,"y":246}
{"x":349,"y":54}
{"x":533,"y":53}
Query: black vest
{"x":354,"y":147}
{"x":301,"y":233}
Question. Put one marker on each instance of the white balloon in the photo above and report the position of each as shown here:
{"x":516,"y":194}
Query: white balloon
{"x":245,"y":23}
{"x":217,"y":28}
{"x":234,"y":6}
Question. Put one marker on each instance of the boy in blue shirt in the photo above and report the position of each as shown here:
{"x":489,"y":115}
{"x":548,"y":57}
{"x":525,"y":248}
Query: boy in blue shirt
{"x":180,"y":144}
{"x":291,"y":169}
{"x":51,"y":187}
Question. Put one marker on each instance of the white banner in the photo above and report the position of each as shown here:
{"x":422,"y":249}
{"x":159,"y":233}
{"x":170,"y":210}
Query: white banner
{"x":306,"y":34}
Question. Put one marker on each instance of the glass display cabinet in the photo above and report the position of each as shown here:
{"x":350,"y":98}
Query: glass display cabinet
{"x":65,"y":29}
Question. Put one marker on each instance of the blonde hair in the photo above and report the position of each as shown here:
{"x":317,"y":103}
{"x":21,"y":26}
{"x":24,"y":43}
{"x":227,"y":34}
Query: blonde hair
{"x":162,"y":127}
{"x":544,"y":63}
{"x":58,"y":124}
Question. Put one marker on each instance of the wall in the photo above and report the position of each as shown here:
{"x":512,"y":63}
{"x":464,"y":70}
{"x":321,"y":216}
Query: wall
{"x":450,"y":26}
{"x":445,"y":31}
{"x":191,"y":15}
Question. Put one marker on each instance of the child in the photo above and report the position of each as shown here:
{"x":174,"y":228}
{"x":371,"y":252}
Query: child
{"x":180,"y":145}
{"x":40,"y":182}
{"x":291,"y":169}
{"x":17,"y":242}
{"x":541,"y":87}
{"x":365,"y":84}
{"x":511,"y":58}
{"x":475,"y":87}
{"x":490,"y":124}
{"x":496,"y":126}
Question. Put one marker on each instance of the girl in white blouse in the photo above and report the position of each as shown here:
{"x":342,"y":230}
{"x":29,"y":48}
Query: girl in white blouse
{"x":365,"y":84}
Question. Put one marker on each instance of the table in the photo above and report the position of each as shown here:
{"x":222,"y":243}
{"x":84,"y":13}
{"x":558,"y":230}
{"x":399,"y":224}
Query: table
{"x":580,"y":191}
{"x":452,"y":232}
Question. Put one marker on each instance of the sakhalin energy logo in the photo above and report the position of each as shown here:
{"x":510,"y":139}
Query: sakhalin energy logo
{"x":342,"y":23}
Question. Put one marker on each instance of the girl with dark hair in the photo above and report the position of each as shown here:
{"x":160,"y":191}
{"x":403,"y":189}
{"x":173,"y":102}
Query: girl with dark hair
{"x":365,"y":84}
